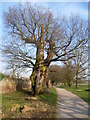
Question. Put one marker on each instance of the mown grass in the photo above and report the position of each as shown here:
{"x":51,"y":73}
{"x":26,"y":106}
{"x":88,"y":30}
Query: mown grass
{"x":80,"y":91}
{"x":10,"y":99}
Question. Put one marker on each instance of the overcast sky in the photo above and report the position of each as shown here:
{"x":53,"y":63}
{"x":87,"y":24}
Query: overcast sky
{"x":77,"y":7}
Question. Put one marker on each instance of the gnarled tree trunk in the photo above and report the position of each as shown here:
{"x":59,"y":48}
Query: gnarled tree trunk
{"x":38,"y":79}
{"x":40,"y":70}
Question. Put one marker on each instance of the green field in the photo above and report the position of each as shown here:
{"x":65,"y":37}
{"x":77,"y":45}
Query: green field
{"x":81,"y":91}
{"x":47,"y":101}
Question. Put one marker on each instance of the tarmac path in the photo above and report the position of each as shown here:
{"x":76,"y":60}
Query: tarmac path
{"x":70,"y":105}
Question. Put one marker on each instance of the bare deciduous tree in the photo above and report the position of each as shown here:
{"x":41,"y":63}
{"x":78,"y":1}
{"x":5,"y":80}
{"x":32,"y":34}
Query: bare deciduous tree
{"x":52,"y":38}
{"x":69,"y":72}
{"x":80,"y":63}
{"x":54,"y":74}
{"x":62,"y":74}
{"x":15,"y":54}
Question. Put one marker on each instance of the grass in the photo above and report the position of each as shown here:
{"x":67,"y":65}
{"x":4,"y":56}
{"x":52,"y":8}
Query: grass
{"x":46,"y":100}
{"x":51,"y":99}
{"x":9,"y":99}
{"x":80,"y":91}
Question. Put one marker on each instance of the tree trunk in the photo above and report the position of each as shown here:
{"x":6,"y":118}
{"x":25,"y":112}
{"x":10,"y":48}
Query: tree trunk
{"x":38,"y":79}
{"x":40,"y":70}
{"x":70,"y":83}
{"x":77,"y":72}
{"x":76,"y":80}
{"x":14,"y":72}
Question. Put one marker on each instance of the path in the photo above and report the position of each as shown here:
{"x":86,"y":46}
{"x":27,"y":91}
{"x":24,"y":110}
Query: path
{"x":70,"y":105}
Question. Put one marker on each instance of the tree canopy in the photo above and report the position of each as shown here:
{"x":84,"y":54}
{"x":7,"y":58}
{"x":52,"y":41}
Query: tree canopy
{"x":53,"y":39}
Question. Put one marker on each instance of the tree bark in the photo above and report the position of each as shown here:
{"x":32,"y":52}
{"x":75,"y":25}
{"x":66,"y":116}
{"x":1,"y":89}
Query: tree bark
{"x":77,"y":80}
{"x":38,"y":79}
{"x":70,"y":83}
{"x":77,"y":76}
{"x":40,"y":70}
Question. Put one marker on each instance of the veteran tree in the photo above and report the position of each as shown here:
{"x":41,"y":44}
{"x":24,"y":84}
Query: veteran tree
{"x":52,"y":39}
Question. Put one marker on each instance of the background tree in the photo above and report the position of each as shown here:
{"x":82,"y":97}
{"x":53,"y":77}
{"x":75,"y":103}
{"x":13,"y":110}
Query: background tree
{"x":54,"y":74}
{"x":62,"y":74}
{"x":51,"y":38}
{"x":81,"y":63}
{"x":69,"y":73}
{"x":16,"y":55}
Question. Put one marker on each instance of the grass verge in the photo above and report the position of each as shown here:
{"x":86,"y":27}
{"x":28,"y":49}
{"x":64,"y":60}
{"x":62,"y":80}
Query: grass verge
{"x":44,"y":106}
{"x":51,"y":99}
{"x":81,"y":91}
